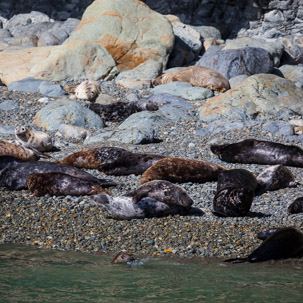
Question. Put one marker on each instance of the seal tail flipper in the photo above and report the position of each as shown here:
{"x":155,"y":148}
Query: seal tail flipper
{"x":236,"y":260}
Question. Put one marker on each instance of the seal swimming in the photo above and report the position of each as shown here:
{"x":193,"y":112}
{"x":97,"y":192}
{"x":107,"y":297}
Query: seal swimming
{"x":296,"y":207}
{"x":284,"y":243}
{"x":123,"y":257}
{"x":180,"y":170}
{"x":60,"y":184}
{"x":162,"y":191}
{"x":253,"y":151}
{"x":14,"y":175}
{"x":235,"y":193}
{"x":112,"y":160}
{"x":119,"y":111}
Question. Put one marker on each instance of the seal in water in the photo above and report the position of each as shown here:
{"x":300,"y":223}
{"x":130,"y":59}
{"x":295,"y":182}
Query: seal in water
{"x":296,"y":207}
{"x":123,"y":257}
{"x":122,"y":208}
{"x":284,"y":243}
{"x":112,"y":160}
{"x":235,"y":193}
{"x":119,"y":111}
{"x":275,"y":177}
{"x":162,"y":191}
{"x":180,"y":170}
{"x":10,"y":149}
{"x":14,"y":175}
{"x":59,"y":184}
{"x":35,"y":140}
{"x":253,"y":151}
{"x":196,"y":76}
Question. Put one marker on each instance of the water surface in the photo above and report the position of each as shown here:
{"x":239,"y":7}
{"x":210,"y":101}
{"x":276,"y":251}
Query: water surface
{"x":38,"y":275}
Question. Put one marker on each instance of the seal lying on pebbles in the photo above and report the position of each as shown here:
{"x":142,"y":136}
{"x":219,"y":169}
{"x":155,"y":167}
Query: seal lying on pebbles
{"x":162,"y":191}
{"x":59,"y":184}
{"x":112,"y":160}
{"x":35,"y":140}
{"x":122,"y":208}
{"x":235,"y":193}
{"x":284,"y":243}
{"x":17,"y":151}
{"x":253,"y":151}
{"x":87,"y":90}
{"x":275,"y":177}
{"x":196,"y":76}
{"x":122,"y":257}
{"x":14,"y":175}
{"x":119,"y":111}
{"x":296,"y":207}
{"x":180,"y":170}
{"x":6,"y":161}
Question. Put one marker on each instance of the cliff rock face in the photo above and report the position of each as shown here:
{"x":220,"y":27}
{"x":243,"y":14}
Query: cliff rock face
{"x":269,"y":18}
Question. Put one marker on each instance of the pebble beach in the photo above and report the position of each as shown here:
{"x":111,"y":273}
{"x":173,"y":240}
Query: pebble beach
{"x":78,"y":223}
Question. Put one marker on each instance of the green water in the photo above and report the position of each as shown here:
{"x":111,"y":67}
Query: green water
{"x":35,"y":275}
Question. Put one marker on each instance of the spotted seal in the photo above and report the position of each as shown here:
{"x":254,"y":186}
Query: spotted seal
{"x":14,"y":175}
{"x":275,"y":177}
{"x":235,"y":193}
{"x":284,"y":243}
{"x":9,"y":149}
{"x":112,"y":160}
{"x":60,"y":184}
{"x":86,"y":90}
{"x":162,"y":191}
{"x":123,"y":257}
{"x":180,"y":170}
{"x":35,"y":140}
{"x":296,"y":207}
{"x":119,"y":111}
{"x":253,"y":151}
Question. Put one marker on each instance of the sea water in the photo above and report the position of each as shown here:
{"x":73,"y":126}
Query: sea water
{"x":40,"y":275}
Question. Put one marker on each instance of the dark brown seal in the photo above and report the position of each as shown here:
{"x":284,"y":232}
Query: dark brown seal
{"x":123,"y":257}
{"x":284,"y":243}
{"x":182,"y":170}
{"x":17,"y":151}
{"x":14,"y":175}
{"x":162,"y":191}
{"x":253,"y":151}
{"x":119,"y":111}
{"x":112,"y":160}
{"x":275,"y":177}
{"x":196,"y":76}
{"x":235,"y":193}
{"x":59,"y":184}
{"x":296,"y":207}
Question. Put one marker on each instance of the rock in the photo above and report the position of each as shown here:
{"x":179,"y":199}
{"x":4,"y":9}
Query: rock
{"x":207,"y":32}
{"x":29,"y":85}
{"x":274,"y":48}
{"x":280,"y":128}
{"x":47,"y":39}
{"x":298,"y":126}
{"x":237,"y":80}
{"x":4,"y":33}
{"x":261,"y":96}
{"x":105,"y":99}
{"x":50,"y":89}
{"x":65,"y":111}
{"x":130,"y":31}
{"x":183,"y":90}
{"x":7,"y":130}
{"x":293,"y":49}
{"x":74,"y":132}
{"x":171,"y":100}
{"x":140,"y":77}
{"x":134,"y":136}
{"x":197,"y":76}
{"x":235,"y":62}
{"x":293,"y":73}
{"x":8,"y":105}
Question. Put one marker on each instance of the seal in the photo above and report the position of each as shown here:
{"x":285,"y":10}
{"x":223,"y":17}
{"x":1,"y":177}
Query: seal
{"x":296,"y":207}
{"x":123,"y":257}
{"x":119,"y":111}
{"x":275,"y":177}
{"x":6,"y":161}
{"x":35,"y":140}
{"x":285,"y":243}
{"x":86,"y":90}
{"x":162,"y":191}
{"x":253,"y":151}
{"x":16,"y":151}
{"x":265,"y":233}
{"x":112,"y":160}
{"x":122,"y":208}
{"x":59,"y":184}
{"x":180,"y":170}
{"x":14,"y":175}
{"x":235,"y":193}
{"x":197,"y":76}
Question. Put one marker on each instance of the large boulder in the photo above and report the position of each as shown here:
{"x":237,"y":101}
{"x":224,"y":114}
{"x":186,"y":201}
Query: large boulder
{"x":235,"y":62}
{"x":264,"y":96}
